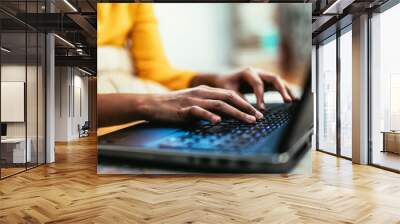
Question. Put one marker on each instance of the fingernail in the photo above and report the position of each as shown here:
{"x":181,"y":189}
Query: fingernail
{"x":216,"y":119}
{"x":250,"y":118}
{"x":259,"y":115}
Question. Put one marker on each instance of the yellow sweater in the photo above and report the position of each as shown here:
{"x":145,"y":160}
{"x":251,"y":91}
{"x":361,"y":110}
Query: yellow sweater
{"x":134,"y":25}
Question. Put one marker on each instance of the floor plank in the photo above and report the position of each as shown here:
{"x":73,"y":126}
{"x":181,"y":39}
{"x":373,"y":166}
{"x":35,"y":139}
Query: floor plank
{"x":70,"y":191}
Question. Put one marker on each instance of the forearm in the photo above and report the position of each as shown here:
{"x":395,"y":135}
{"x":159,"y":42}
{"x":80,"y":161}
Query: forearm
{"x":204,"y":79}
{"x":114,"y":109}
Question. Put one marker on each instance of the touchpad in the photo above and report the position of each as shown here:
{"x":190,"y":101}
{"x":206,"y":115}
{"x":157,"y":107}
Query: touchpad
{"x":137,"y":135}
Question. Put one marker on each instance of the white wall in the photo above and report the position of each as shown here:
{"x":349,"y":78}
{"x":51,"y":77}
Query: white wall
{"x":196,"y":36}
{"x":80,"y":100}
{"x":62,"y":81}
{"x":70,"y":83}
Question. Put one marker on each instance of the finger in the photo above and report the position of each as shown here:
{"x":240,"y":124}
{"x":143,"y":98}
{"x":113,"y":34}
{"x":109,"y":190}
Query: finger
{"x":278,"y":84}
{"x":283,"y":90}
{"x":198,"y":112}
{"x":254,"y":80}
{"x":291,"y":93}
{"x":224,"y":108}
{"x":232,"y":98}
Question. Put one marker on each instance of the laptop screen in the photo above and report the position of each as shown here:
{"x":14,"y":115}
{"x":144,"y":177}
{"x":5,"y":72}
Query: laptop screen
{"x":301,"y":124}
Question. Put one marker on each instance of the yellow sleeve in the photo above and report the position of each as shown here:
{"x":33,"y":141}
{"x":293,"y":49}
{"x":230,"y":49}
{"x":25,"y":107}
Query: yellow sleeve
{"x":148,"y":54}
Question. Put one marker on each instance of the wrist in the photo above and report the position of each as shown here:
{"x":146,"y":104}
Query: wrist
{"x":143,"y":105}
{"x":117,"y":108}
{"x":205,"y":79}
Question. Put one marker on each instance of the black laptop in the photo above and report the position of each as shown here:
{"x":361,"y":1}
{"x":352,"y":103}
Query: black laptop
{"x":274,"y":144}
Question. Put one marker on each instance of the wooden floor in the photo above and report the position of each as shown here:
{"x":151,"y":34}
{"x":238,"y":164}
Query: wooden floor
{"x":5,"y":172}
{"x":70,"y":191}
{"x":387,"y":159}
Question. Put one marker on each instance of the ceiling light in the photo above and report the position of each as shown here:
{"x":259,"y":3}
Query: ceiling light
{"x":70,"y":5}
{"x":79,"y":51}
{"x":5,"y":50}
{"x":65,"y":41}
{"x":328,"y":10}
{"x":84,"y":71}
{"x":338,"y":6}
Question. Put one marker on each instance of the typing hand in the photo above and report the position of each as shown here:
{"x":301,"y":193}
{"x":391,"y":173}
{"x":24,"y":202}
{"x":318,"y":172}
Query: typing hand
{"x":201,"y":102}
{"x":256,"y":80}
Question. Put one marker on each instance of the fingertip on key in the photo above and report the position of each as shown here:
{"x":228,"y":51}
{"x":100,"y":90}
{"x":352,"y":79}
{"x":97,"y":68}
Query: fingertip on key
{"x":250,"y":119}
{"x":259,"y":115}
{"x":216,"y":119}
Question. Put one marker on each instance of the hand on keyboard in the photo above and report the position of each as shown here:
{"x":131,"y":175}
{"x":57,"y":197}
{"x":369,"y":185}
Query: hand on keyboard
{"x":201,"y":102}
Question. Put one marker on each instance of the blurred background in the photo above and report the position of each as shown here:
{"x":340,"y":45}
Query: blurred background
{"x":220,"y":37}
{"x":224,"y":37}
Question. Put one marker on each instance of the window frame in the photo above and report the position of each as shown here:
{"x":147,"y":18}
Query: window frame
{"x":379,"y":10}
{"x":334,"y":37}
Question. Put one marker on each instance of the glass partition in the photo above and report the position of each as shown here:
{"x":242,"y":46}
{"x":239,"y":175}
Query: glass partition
{"x":31,"y":99}
{"x":22,"y":91}
{"x":14,"y":151}
{"x":33,"y":73}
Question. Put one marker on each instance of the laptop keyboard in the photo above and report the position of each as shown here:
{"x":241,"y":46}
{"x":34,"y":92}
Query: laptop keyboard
{"x":229,"y":134}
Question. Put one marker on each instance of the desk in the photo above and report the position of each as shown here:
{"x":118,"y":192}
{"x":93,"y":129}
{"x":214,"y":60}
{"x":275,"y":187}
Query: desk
{"x":391,"y":141}
{"x":15,"y":148}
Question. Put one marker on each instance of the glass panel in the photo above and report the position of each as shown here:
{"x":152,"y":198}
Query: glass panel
{"x":32,"y":89}
{"x":327,"y":97}
{"x":31,"y":98}
{"x":13,"y":86}
{"x":385,"y":86}
{"x":23,"y":89}
{"x":41,"y":110}
{"x":346,"y":94}
{"x":41,"y":99}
